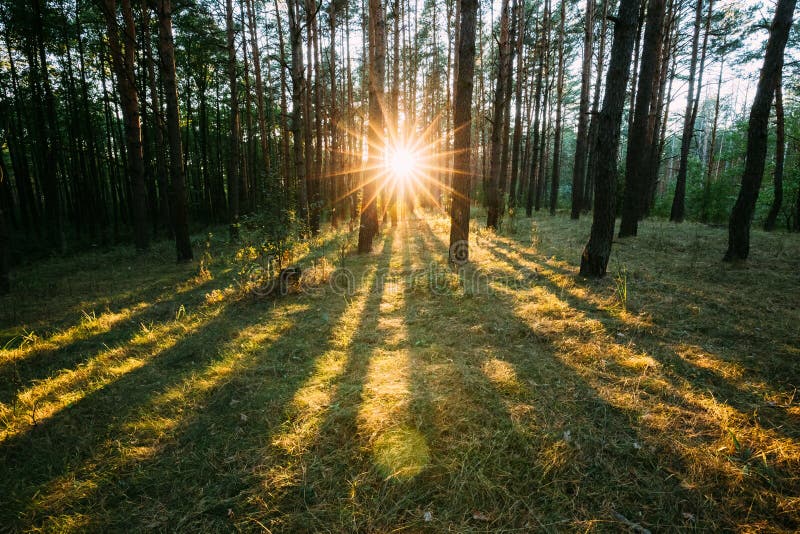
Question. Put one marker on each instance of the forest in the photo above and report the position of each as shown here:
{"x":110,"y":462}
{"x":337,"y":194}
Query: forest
{"x":365,"y":265}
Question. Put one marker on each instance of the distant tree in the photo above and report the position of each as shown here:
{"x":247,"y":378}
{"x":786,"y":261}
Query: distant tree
{"x":462,"y":134}
{"x":597,"y":252}
{"x":757,"y":130}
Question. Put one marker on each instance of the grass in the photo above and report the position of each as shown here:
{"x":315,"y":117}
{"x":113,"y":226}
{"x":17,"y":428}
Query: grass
{"x":512,"y":395}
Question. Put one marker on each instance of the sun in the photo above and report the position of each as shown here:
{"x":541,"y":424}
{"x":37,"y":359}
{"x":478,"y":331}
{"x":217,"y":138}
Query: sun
{"x":401,"y":163}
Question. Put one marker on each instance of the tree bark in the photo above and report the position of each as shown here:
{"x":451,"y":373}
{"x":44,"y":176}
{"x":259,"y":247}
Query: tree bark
{"x":5,"y":280}
{"x":581,"y":140}
{"x":556,"y":178}
{"x":495,"y":170}
{"x":588,"y":186}
{"x":704,"y":214}
{"x":640,"y":137}
{"x":678,"y":211}
{"x":462,"y":134}
{"x":180,"y":215}
{"x":597,"y":252}
{"x":368,"y":227}
{"x":742,"y":214}
{"x":233,"y":154}
{"x":517,"y":142}
{"x":780,"y":153}
{"x":123,"y":61}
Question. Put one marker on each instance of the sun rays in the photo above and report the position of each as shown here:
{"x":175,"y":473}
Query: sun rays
{"x":410,"y":164}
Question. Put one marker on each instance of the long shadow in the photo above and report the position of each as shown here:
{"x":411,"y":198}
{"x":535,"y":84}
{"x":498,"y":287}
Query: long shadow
{"x":703,"y":380}
{"x":725,"y":334}
{"x":19,"y":374}
{"x":75,"y":434}
{"x":299,"y":504}
{"x":210,"y":457}
{"x":594,"y":457}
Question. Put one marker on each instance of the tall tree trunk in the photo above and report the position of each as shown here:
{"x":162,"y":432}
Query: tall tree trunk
{"x":556,"y":178}
{"x":180,"y":216}
{"x":678,"y":211}
{"x":659,"y":109}
{"x":535,"y":156}
{"x":335,"y":159}
{"x":260,"y":106}
{"x":742,"y":214}
{"x":704,"y":214}
{"x":316,"y":199}
{"x":5,"y":280}
{"x":158,"y":129}
{"x":780,"y":153}
{"x":123,"y":61}
{"x":581,"y":140}
{"x":498,"y":127}
{"x":588,"y":186}
{"x":597,"y":252}
{"x":462,"y":135}
{"x":640,"y":137}
{"x":377,"y":40}
{"x":517,"y":143}
{"x":233,"y":153}
{"x":286,"y":156}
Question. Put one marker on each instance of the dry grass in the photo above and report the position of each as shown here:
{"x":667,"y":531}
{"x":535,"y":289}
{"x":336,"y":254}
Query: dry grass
{"x":510,"y":396}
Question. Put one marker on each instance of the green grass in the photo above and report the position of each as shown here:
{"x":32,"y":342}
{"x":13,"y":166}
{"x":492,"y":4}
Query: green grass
{"x":136,"y":394}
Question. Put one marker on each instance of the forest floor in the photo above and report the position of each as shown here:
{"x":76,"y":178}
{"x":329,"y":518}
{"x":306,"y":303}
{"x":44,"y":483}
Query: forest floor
{"x":510,"y":396}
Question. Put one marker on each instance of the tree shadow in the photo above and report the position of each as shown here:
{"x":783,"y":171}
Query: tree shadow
{"x":322,"y":421}
{"x":683,"y":372}
{"x":48,"y":457}
{"x":659,"y":482}
{"x":18,"y":375}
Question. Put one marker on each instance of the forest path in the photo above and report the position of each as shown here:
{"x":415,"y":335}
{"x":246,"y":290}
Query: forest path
{"x":509,"y":394}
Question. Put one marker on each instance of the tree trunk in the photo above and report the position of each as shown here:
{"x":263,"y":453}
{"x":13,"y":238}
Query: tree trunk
{"x":180,"y":216}
{"x":535,"y":155}
{"x":704,"y":214}
{"x":678,"y":211}
{"x":780,"y":153}
{"x":377,"y":40}
{"x":5,"y":281}
{"x":158,"y":128}
{"x":597,"y":252}
{"x":556,"y":178}
{"x":260,"y":106}
{"x":233,"y":154}
{"x":495,"y":170}
{"x":123,"y":61}
{"x":742,"y":215}
{"x":588,"y":186}
{"x":581,"y":141}
{"x":517,"y":143}
{"x":462,"y":134}
{"x":335,"y":164}
{"x":640,"y":137}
